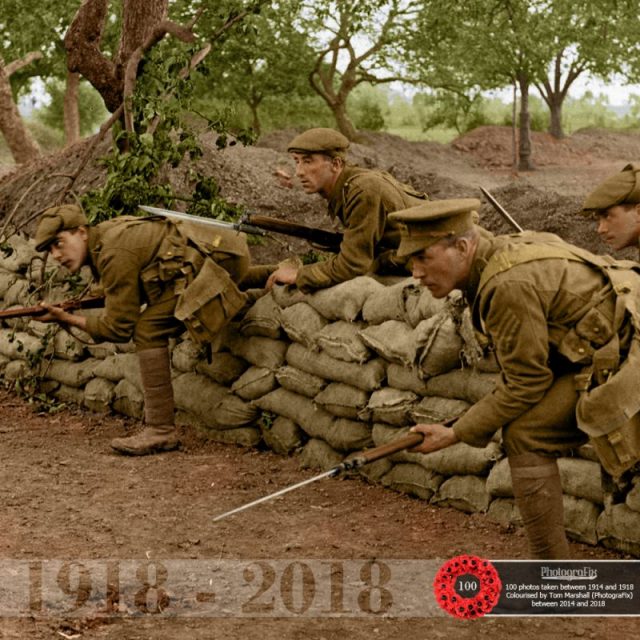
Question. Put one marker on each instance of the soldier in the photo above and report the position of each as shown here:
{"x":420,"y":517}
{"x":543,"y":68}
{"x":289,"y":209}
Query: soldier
{"x":360,"y":198}
{"x":558,"y":330}
{"x":185,"y":275}
{"x":616,"y":201}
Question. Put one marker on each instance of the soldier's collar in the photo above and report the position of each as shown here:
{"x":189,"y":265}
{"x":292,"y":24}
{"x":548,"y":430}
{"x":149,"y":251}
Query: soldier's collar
{"x":484,"y":251}
{"x":336,"y":195}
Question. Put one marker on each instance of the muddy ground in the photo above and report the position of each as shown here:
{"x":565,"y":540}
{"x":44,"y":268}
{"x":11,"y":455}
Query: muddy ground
{"x":65,"y":496}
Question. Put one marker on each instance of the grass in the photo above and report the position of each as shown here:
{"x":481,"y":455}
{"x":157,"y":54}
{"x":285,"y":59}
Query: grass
{"x":416,"y":134}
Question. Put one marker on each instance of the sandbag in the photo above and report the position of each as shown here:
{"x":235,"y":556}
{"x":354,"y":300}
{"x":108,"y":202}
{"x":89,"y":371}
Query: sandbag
{"x":458,"y":459}
{"x":102,"y":350}
{"x":262,"y":319}
{"x":438,"y":345}
{"x":7,"y":278}
{"x":386,"y":304}
{"x":464,"y":384}
{"x":19,"y":345}
{"x":341,"y":340}
{"x":390,"y":405}
{"x":374,"y":471}
{"x":72,"y":374}
{"x":499,"y":480}
{"x":98,"y":395}
{"x":16,"y":370}
{"x":23,"y":252}
{"x":212,"y":403}
{"x":113,"y":367}
{"x":314,"y":421}
{"x":254,"y":382}
{"x":342,"y":400}
{"x":224,"y":367}
{"x":69,"y":395}
{"x":436,"y":410}
{"x":317,"y":454}
{"x":299,"y":381}
{"x":286,"y":296}
{"x":261,"y":352}
{"x":618,"y":527}
{"x":282,"y":435}
{"x":412,"y":479}
{"x":406,"y":378}
{"x":420,"y":304}
{"x":581,"y":479}
{"x":580,"y":519}
{"x":344,"y":301}
{"x":67,"y":347}
{"x":348,"y":435}
{"x":505,"y":512}
{"x":393,"y":340}
{"x":465,"y":493}
{"x":302,"y":323}
{"x":368,"y":376}
{"x":633,"y":497}
{"x":128,"y":399}
{"x":186,"y":355}
{"x":17,"y":294}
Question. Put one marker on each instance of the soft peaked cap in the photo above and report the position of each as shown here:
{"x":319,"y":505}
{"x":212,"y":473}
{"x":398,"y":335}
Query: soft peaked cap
{"x":320,"y":140}
{"x":620,"y":188}
{"x":428,"y":223}
{"x":56,"y":219}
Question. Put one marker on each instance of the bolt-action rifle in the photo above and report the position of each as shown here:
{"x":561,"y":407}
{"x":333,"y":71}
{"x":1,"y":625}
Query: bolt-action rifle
{"x":67,"y":305}
{"x":259,"y":225}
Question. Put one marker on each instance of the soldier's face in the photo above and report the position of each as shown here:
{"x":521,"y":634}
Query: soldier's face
{"x":443,"y":267}
{"x":71,"y":248}
{"x":619,"y":226}
{"x":317,"y":172}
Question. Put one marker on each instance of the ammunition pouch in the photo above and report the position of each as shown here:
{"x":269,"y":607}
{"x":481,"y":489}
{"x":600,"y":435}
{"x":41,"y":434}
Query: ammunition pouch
{"x":209,"y":302}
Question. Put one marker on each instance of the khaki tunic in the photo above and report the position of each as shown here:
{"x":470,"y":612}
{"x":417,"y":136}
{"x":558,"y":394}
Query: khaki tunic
{"x":145,"y":261}
{"x":526,"y":311}
{"x":362,"y":199}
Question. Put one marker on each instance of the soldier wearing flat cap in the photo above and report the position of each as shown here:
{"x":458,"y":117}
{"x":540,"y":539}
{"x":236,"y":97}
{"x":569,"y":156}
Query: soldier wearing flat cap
{"x":361,"y":199}
{"x":616,"y":202}
{"x":185,"y":275}
{"x":562,"y":336}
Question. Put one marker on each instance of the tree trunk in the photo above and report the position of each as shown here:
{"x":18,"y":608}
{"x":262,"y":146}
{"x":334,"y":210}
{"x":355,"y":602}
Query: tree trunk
{"x":138,"y":21}
{"x":22,"y":146}
{"x":524,"y":162}
{"x":71,"y":109}
{"x":345,"y":126}
{"x":255,"y":117}
{"x":555,"y":112}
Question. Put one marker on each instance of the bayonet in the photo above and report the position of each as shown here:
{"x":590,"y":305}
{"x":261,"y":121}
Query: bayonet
{"x":501,"y":210}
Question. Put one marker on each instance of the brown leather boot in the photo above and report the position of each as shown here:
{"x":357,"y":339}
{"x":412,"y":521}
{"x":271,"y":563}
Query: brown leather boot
{"x":160,"y":432}
{"x":538,"y":492}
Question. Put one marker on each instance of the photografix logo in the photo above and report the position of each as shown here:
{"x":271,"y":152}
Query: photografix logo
{"x":567,"y":574}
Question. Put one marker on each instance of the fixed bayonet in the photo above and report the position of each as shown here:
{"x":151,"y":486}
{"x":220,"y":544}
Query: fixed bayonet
{"x":353,"y":462}
{"x":209,"y":222}
{"x":501,"y":210}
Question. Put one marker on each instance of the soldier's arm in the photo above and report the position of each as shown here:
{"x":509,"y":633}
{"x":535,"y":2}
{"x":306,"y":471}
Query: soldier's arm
{"x":364,"y":220}
{"x":119,"y":275}
{"x":515,"y":320}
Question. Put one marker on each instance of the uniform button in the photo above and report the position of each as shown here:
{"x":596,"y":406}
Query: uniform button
{"x":580,"y":350}
{"x":596,"y":330}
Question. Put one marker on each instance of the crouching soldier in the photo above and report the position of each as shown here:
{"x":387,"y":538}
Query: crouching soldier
{"x":564,"y":327}
{"x":185,"y":275}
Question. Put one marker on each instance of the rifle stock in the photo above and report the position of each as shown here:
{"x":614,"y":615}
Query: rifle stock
{"x":329,"y":240}
{"x":67,"y":305}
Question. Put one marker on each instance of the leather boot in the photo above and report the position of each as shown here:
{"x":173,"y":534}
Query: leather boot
{"x":538,"y":492}
{"x":160,"y":432}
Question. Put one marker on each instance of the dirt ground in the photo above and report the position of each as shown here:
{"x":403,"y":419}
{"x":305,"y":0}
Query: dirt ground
{"x":65,"y":496}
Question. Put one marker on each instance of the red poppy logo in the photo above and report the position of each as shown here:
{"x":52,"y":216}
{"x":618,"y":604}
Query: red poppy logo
{"x":467,"y":587}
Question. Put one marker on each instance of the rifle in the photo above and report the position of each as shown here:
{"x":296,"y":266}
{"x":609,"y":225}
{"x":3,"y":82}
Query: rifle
{"x":355,"y":461}
{"x":67,"y":305}
{"x":501,"y":210}
{"x":259,"y":225}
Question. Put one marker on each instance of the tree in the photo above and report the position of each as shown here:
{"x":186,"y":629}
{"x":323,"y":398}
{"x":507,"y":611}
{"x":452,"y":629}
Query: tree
{"x":30,"y":46}
{"x":267,"y":59}
{"x":596,"y":38}
{"x":355,"y":42}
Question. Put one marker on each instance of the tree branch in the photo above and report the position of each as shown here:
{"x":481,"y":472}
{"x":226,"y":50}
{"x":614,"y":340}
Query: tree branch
{"x":14,"y":66}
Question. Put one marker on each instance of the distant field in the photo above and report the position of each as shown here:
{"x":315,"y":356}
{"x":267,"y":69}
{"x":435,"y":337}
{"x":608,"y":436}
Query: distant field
{"x":416,"y":134}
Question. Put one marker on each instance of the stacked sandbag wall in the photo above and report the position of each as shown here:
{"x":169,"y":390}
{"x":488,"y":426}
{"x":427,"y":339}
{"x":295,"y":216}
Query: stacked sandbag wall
{"x":317,"y":376}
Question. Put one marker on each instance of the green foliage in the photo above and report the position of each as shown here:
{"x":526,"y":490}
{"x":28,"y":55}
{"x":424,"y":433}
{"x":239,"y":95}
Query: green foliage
{"x":368,"y":105}
{"x":134,"y":177}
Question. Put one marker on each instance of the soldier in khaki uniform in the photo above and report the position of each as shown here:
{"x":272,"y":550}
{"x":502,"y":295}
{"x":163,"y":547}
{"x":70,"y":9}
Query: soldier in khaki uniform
{"x":184,"y":274}
{"x":560,"y":334}
{"x":361,"y":199}
{"x":616,"y":202}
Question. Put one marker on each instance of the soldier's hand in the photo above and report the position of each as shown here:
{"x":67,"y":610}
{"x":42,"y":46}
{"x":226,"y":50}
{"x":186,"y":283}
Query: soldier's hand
{"x":284,"y":274}
{"x":436,"y":436}
{"x":56,"y":314}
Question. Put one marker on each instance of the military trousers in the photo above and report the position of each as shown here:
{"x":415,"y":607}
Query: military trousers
{"x":157,"y":324}
{"x":549,"y":427}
